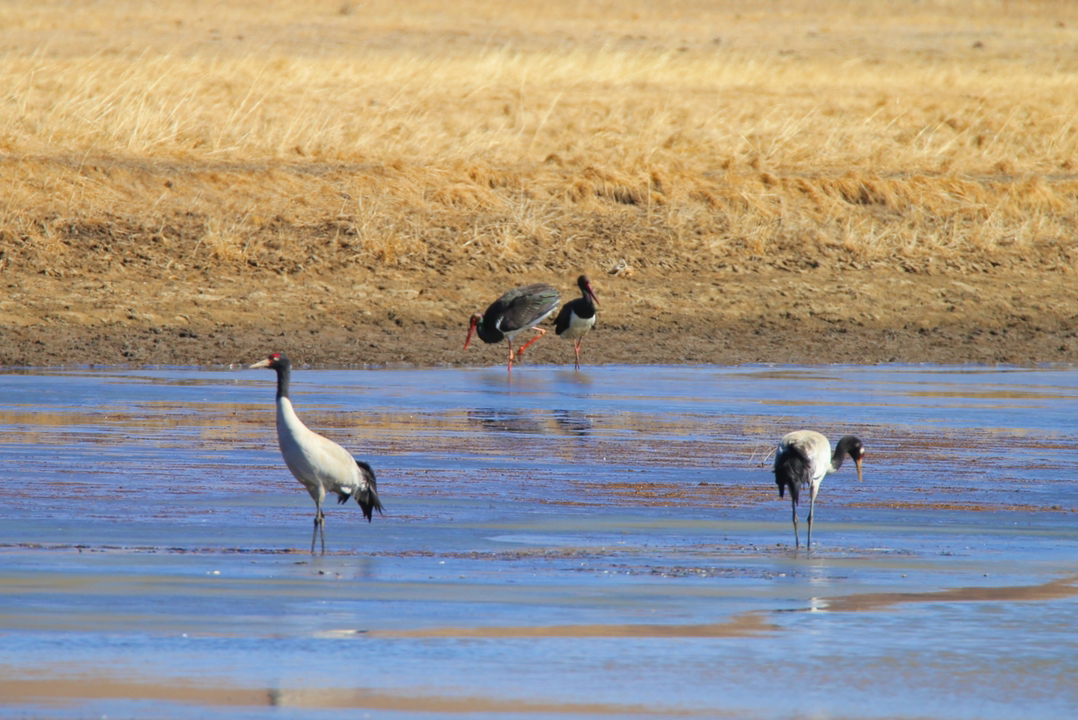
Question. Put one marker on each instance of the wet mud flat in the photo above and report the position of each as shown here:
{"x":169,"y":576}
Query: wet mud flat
{"x":566,"y":544}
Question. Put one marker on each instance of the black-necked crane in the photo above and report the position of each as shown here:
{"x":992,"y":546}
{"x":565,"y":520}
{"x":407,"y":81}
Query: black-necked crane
{"x":321,"y":465}
{"x":577,"y":317}
{"x":803,"y":458}
{"x":520,"y":309}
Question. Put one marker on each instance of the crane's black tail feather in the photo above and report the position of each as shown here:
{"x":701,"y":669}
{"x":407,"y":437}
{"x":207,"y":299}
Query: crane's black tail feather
{"x":791,"y":471}
{"x":368,"y":497}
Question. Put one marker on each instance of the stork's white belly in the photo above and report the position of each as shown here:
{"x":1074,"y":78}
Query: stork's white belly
{"x":578,"y":327}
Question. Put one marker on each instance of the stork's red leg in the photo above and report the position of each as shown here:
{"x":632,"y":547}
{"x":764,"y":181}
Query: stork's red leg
{"x":541,"y":332}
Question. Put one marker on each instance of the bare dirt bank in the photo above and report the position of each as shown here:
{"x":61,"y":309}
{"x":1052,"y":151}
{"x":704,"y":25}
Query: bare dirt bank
{"x":729,"y":316}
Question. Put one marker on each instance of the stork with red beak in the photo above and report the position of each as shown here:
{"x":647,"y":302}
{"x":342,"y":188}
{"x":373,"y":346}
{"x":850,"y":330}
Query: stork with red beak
{"x":520,"y":309}
{"x":577,"y":317}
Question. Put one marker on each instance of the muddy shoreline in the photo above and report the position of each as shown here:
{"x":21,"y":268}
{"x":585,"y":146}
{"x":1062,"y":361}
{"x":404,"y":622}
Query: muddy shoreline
{"x":862,"y":316}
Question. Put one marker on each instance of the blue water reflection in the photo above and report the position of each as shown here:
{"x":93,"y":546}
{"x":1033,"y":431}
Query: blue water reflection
{"x":149,"y":532}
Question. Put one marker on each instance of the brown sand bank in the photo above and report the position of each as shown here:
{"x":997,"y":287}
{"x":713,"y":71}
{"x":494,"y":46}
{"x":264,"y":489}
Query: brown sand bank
{"x":757,"y":313}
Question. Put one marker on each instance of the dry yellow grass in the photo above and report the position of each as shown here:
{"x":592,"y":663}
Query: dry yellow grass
{"x":286,"y":134}
{"x":308,"y":166}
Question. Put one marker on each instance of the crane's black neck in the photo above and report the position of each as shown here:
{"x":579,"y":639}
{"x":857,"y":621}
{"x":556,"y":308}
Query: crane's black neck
{"x":284,"y":374}
{"x":846,"y":446}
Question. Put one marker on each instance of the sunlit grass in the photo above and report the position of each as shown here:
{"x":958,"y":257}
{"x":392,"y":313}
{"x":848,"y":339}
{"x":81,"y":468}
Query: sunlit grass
{"x":441,"y":133}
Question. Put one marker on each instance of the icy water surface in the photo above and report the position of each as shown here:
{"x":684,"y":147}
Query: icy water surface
{"x":608,"y":542}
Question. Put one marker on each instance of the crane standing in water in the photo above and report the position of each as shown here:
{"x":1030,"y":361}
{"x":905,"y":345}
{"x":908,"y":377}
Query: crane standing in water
{"x":319,"y":464}
{"x":803,"y":458}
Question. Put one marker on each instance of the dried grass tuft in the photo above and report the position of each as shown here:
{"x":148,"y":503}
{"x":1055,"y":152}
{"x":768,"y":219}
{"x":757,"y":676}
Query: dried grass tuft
{"x":495,"y":133}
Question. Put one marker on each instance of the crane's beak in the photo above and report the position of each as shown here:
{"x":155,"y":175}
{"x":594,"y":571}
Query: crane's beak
{"x":857,"y":461}
{"x":260,"y":364}
{"x":471,"y":329}
{"x":591,"y":294}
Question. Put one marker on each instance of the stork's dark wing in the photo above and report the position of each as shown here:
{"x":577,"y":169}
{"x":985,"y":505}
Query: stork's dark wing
{"x":526,"y":306}
{"x":561,"y":323}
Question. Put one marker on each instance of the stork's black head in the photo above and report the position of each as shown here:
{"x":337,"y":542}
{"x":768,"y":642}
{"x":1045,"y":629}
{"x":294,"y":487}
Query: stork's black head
{"x":585,"y":287}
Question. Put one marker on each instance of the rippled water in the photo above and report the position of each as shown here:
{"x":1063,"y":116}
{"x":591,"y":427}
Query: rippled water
{"x":557,"y":543}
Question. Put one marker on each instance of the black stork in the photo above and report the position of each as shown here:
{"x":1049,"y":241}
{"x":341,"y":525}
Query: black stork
{"x":321,"y":465}
{"x":519,"y":309}
{"x":577,"y":317}
{"x":803,"y":458}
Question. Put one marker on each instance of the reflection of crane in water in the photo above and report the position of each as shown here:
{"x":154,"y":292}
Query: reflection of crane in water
{"x":320,"y":464}
{"x":803,"y":458}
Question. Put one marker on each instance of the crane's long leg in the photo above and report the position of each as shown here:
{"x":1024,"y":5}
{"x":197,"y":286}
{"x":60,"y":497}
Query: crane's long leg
{"x":510,"y":354}
{"x":541,"y":332}
{"x":322,"y":530}
{"x":812,"y":505}
{"x":797,"y":540}
{"x":319,"y":525}
{"x":576,"y":347}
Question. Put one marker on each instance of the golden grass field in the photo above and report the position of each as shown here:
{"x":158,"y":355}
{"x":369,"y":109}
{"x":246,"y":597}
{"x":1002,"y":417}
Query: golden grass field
{"x":191,"y":181}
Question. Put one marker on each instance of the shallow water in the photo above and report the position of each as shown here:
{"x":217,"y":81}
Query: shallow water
{"x":557,"y":543}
